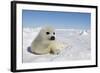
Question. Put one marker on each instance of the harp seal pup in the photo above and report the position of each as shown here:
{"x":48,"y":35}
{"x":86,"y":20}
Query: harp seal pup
{"x":46,"y":42}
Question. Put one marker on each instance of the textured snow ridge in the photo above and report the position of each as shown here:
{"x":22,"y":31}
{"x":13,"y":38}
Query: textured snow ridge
{"x":78,"y":41}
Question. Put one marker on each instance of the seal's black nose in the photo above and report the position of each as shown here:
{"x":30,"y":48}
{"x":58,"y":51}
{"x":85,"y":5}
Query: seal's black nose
{"x":52,"y":38}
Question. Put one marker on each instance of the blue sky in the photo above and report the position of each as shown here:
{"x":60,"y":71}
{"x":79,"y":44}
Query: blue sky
{"x":33,"y":18}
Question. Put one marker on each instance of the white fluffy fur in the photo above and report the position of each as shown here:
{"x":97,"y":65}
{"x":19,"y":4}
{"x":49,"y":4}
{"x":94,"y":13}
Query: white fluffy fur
{"x":42,"y":44}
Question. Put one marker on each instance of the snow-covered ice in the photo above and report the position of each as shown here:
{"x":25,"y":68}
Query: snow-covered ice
{"x":78,"y":41}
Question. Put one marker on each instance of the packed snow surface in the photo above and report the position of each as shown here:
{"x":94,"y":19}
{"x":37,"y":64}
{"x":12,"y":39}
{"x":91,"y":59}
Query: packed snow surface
{"x":78,"y":41}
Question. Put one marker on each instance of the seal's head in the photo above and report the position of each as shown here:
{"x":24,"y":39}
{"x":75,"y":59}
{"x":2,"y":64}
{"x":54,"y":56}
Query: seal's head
{"x":48,"y":33}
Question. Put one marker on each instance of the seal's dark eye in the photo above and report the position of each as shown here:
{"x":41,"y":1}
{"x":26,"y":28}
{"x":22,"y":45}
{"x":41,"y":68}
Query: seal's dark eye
{"x":47,"y":33}
{"x":54,"y":33}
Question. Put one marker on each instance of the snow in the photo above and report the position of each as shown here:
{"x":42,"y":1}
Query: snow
{"x":83,"y":33}
{"x":78,"y":41}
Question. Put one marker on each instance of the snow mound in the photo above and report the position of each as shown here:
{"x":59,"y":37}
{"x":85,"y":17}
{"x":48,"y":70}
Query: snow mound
{"x":84,"y":33}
